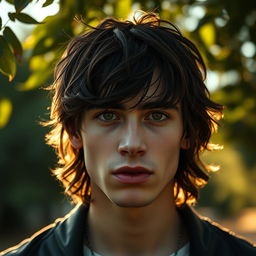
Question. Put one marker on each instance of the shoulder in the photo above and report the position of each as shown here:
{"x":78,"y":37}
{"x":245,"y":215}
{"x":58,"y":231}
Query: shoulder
{"x":226,"y":240}
{"x":211,"y":239}
{"x":58,"y":238}
{"x":30,"y":245}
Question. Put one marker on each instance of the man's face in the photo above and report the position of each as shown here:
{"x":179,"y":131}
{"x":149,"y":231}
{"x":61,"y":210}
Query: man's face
{"x":148,"y":137}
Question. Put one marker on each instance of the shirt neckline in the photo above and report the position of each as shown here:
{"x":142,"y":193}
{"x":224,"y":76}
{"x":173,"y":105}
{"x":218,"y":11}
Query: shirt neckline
{"x":183,"y":251}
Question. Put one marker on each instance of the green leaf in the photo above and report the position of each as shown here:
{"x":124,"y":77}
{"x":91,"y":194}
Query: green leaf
{"x":12,"y":16}
{"x":25,"y":18}
{"x":35,"y":80}
{"x":44,"y":45}
{"x":10,"y":1}
{"x":50,"y":36}
{"x":7,"y":59}
{"x":20,"y":5}
{"x":5,"y":111}
{"x":47,"y":3}
{"x":123,"y":8}
{"x":15,"y":43}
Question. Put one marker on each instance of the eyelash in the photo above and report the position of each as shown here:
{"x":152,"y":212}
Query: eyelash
{"x":167,"y":116}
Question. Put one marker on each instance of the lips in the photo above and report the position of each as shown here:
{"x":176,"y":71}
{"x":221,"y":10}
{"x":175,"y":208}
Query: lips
{"x":132,"y":175}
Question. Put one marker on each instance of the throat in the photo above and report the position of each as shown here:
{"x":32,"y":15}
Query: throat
{"x":135,"y":233}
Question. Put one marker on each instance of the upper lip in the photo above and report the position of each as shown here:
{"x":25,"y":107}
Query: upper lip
{"x":129,"y":169}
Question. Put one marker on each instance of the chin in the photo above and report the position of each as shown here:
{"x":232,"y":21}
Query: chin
{"x":132,"y":203}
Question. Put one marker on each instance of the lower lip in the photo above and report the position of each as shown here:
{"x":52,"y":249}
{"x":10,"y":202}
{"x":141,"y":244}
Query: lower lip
{"x":132,"y":178}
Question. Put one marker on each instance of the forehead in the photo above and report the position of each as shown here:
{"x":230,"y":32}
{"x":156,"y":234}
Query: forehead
{"x":149,"y":99}
{"x":133,"y":104}
{"x":156,"y":92}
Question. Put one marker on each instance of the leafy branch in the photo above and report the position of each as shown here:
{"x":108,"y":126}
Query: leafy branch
{"x":11,"y":50}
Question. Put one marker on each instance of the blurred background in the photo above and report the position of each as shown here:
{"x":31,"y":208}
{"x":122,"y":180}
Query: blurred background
{"x":32,"y":37}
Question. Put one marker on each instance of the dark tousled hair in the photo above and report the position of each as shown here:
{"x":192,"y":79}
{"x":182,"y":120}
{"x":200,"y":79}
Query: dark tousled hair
{"x":115,"y":61}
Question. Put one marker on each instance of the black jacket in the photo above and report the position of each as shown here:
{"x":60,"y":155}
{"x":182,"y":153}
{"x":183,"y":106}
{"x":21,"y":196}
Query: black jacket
{"x":65,"y":238}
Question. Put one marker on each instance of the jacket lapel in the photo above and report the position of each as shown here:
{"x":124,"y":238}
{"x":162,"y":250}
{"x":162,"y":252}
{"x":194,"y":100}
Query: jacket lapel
{"x":198,"y":233}
{"x":69,"y":234}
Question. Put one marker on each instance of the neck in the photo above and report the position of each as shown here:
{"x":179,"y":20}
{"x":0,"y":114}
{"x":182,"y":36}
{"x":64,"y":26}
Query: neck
{"x":149,"y":230}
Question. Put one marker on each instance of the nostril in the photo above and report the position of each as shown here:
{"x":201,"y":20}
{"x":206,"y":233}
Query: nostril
{"x":132,"y":143}
{"x":132,"y":151}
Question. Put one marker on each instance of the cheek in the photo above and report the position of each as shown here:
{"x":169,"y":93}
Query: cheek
{"x":167,"y":148}
{"x":168,"y":141}
{"x":90,"y":150}
{"x":96,"y":147}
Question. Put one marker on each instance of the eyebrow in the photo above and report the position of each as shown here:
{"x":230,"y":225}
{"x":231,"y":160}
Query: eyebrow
{"x":141,"y":106}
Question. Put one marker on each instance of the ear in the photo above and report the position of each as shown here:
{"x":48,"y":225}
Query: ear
{"x":184,"y":143}
{"x":76,"y":141}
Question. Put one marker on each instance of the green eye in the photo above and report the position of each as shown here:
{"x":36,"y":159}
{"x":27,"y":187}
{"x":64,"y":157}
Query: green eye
{"x":158,"y":116}
{"x":107,"y":116}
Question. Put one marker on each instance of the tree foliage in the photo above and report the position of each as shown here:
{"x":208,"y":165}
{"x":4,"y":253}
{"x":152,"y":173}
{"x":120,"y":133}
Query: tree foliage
{"x":224,"y":30}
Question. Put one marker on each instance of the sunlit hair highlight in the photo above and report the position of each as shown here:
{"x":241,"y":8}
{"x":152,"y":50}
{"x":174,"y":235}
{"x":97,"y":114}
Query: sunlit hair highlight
{"x":115,"y":62}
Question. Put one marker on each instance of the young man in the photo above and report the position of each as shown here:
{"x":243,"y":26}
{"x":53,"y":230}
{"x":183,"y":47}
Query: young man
{"x":130,"y":115}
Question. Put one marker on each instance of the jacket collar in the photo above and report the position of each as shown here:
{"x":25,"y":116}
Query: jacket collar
{"x":70,"y":233}
{"x":198,"y":233}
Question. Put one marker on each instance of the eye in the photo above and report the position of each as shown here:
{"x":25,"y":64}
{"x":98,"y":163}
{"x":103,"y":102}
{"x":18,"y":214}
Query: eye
{"x":158,"y":116}
{"x":107,"y":116}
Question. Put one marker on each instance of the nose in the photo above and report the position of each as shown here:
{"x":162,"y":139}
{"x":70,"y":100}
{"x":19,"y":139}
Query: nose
{"x":132,"y":142}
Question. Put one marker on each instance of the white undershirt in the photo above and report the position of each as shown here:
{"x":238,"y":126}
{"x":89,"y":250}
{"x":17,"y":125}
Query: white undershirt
{"x":184,"y":251}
